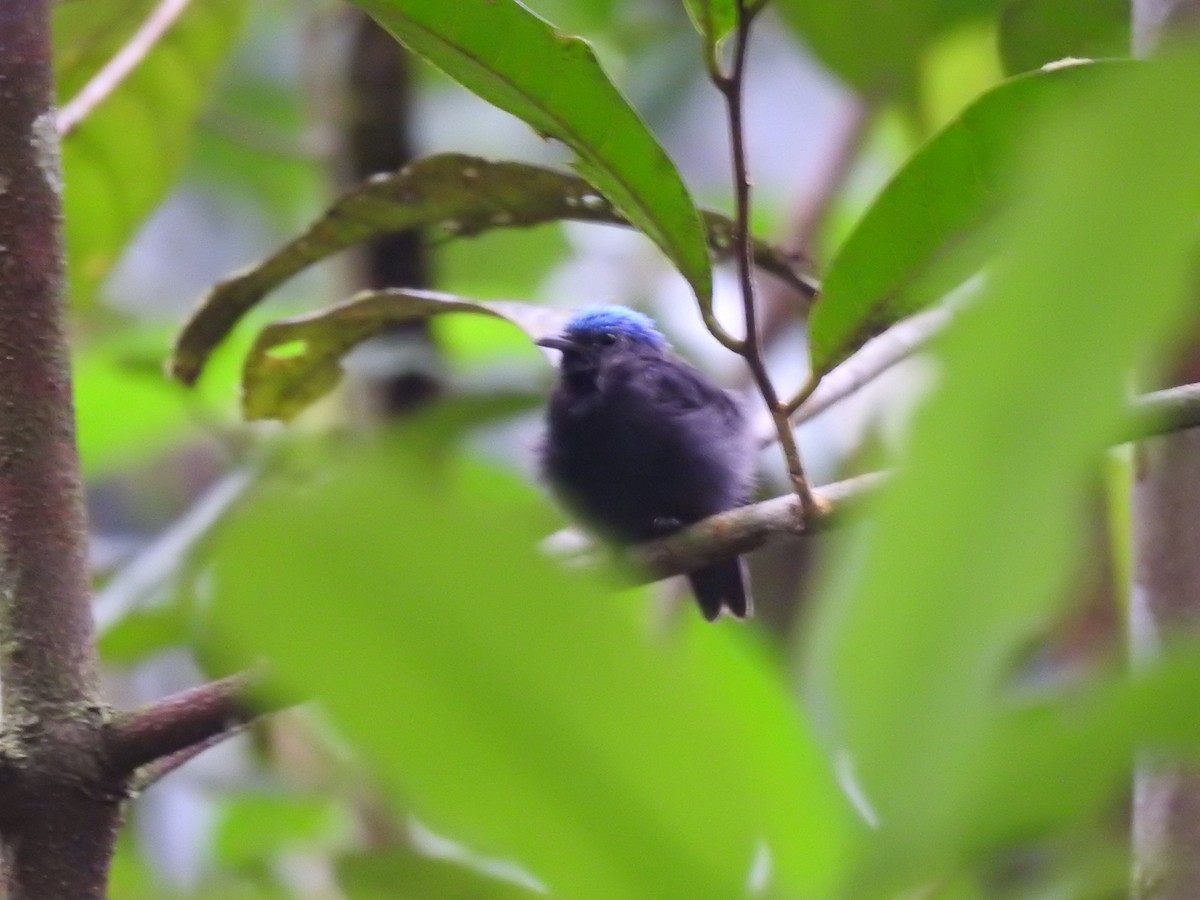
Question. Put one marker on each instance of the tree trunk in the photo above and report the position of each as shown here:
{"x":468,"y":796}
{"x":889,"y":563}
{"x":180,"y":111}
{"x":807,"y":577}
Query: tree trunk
{"x":1165,"y":597}
{"x":376,"y":136}
{"x":57,"y":832}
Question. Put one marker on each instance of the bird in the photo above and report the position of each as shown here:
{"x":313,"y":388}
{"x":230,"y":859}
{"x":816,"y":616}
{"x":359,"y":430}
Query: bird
{"x":639,"y":444}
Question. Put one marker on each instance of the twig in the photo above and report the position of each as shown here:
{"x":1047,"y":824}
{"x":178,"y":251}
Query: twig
{"x":116,"y":70}
{"x":154,"y":772}
{"x":179,"y":723}
{"x":875,"y":358}
{"x":155,"y":564}
{"x":879,"y":354}
{"x":769,"y":521}
{"x":1173,"y":409}
{"x":730,"y":87}
{"x":1160,"y":412}
{"x":724,"y":338}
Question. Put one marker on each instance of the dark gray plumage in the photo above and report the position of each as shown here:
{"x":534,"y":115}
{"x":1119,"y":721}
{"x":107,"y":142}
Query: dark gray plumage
{"x":640,"y":444}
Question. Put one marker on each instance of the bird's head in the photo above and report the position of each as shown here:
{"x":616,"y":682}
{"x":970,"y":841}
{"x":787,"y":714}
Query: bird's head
{"x":599,"y":331}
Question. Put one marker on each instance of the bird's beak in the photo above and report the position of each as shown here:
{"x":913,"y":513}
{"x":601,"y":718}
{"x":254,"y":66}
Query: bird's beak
{"x":557,"y":342}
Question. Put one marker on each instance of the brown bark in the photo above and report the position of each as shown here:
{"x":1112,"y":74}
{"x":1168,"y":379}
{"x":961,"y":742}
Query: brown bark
{"x":1165,"y":598}
{"x":59,"y":827}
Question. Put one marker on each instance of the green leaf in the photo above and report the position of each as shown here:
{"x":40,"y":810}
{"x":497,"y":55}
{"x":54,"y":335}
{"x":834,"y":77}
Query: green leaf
{"x":925,"y":233}
{"x":714,"y":19}
{"x":518,"y":708}
{"x":520,"y":63}
{"x":1035,"y":32}
{"x":461,"y":196}
{"x":294,"y":362}
{"x":973,"y":546}
{"x":120,"y":160}
{"x":876,"y":45}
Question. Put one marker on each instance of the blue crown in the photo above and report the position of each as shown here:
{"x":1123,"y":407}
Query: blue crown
{"x":618,"y":319}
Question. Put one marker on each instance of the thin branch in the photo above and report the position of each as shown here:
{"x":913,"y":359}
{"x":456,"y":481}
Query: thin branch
{"x":876,"y":357}
{"x":155,"y":565}
{"x":769,"y":521}
{"x":1161,"y":412}
{"x":179,"y":722}
{"x":116,"y":70}
{"x":731,"y":87}
{"x":879,"y":354}
{"x":724,"y":338}
{"x":1173,"y":409}
{"x":154,"y":772}
{"x":751,"y":527}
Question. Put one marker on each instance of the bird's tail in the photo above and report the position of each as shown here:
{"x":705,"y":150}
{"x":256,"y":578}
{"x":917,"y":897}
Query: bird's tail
{"x":722,"y":586}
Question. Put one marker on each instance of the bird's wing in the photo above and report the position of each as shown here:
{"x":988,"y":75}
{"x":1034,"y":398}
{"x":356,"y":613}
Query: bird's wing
{"x":678,"y":388}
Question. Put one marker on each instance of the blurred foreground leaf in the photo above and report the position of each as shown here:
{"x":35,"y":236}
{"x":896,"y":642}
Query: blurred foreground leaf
{"x":517,"y":708}
{"x":460,"y":195}
{"x":518,"y":62}
{"x":923,"y":235}
{"x":915,"y":647}
{"x":121,"y":160}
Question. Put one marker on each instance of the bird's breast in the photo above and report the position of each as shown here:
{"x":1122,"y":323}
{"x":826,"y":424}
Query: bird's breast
{"x":628,"y":467}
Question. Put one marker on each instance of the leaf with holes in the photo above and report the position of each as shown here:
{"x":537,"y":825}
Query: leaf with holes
{"x":925,"y":233}
{"x":123,"y":157}
{"x":457,"y":194}
{"x":518,"y":62}
{"x":295,"y":361}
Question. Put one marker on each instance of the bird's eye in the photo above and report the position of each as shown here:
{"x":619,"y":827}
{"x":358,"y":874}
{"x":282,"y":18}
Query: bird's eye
{"x":608,"y":339}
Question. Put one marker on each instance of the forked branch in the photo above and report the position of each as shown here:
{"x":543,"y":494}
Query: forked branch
{"x":731,"y":87}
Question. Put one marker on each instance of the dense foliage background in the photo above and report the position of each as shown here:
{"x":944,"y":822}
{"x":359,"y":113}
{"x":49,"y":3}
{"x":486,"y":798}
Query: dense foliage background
{"x":934,"y":700}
